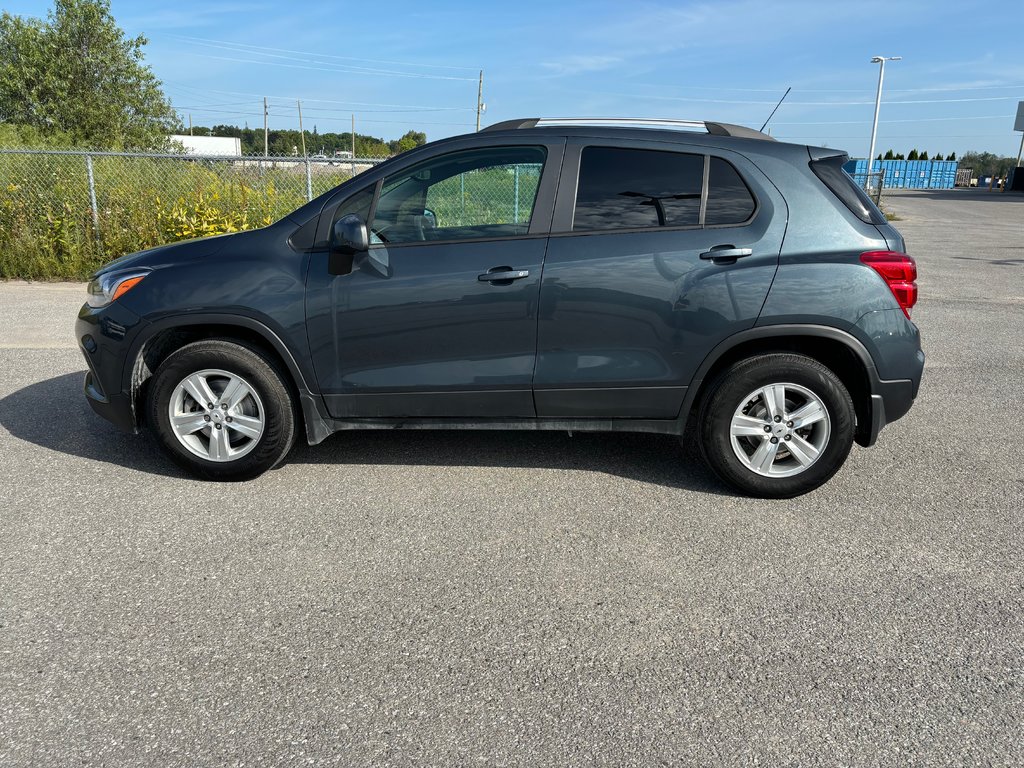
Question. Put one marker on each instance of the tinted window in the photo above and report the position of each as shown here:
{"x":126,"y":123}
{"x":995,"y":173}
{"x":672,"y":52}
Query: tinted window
{"x":729,"y":199}
{"x":463,"y":195}
{"x":630,"y":188}
{"x":830,"y":171}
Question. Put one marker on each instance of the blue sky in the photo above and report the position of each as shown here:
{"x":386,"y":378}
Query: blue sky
{"x":401,"y":65}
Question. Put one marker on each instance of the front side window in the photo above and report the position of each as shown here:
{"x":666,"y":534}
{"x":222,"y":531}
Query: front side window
{"x":637,"y":188}
{"x":480,"y":193}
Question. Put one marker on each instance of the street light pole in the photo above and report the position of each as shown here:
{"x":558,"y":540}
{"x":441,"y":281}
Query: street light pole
{"x":880,"y":60}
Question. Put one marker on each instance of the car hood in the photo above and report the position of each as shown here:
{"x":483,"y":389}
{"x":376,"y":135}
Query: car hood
{"x":172,"y":253}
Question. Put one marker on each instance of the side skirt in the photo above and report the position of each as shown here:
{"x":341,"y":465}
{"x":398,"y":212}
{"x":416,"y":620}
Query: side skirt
{"x":657,"y":426}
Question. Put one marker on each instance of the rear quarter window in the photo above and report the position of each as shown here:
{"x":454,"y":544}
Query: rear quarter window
{"x":830,"y":171}
{"x":730,"y":200}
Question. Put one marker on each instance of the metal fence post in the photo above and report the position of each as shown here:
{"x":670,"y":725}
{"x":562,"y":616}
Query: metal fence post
{"x":309,"y":182}
{"x":515,"y":213}
{"x":92,"y":196}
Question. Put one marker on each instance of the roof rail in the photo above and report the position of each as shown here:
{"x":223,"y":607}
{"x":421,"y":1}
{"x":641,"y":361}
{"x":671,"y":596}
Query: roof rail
{"x":713,"y":128}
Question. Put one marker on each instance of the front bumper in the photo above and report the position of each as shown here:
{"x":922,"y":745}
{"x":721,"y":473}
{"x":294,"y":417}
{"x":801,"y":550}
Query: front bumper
{"x":104,"y":337}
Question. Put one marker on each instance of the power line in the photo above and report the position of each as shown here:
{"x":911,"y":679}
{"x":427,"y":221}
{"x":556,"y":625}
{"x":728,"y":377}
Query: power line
{"x":318,"y":110}
{"x":910,"y":120}
{"x":328,"y":66}
{"x":798,"y":103}
{"x":335,"y":69}
{"x":916,"y":136}
{"x":204,"y":93}
{"x":319,"y":55}
{"x":1016,"y":86}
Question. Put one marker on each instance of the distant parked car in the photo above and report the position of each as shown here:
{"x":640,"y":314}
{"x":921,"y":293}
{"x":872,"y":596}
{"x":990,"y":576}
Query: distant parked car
{"x":695,"y":279}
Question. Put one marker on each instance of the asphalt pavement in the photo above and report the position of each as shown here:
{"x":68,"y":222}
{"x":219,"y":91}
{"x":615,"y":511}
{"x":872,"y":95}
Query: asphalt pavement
{"x":417,"y":598}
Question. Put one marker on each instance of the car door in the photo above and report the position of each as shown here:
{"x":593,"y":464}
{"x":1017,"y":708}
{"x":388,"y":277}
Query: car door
{"x":634,"y":295}
{"x":439,"y":317}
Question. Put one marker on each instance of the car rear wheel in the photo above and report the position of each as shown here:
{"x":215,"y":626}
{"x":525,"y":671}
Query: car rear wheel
{"x":776,"y":426}
{"x":222,"y":410}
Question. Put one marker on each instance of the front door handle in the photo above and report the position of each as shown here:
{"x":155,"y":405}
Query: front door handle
{"x":726,"y":253}
{"x":503,"y":275}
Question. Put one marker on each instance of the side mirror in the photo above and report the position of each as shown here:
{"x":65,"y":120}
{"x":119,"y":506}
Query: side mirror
{"x":348,"y":237}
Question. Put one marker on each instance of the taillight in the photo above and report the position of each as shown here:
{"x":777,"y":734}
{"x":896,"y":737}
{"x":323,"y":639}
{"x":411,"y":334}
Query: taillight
{"x":899,"y":272}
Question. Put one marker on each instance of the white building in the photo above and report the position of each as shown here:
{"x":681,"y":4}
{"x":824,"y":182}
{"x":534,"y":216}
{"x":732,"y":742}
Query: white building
{"x":224,"y":146}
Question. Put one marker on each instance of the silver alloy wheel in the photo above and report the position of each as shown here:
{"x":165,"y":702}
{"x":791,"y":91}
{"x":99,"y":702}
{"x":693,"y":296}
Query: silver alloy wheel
{"x":780,"y":430}
{"x":216,"y":415}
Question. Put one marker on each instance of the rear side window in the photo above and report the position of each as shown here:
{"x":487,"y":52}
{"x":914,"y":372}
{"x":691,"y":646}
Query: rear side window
{"x":647,"y":189}
{"x":637,"y":188}
{"x":830,"y":171}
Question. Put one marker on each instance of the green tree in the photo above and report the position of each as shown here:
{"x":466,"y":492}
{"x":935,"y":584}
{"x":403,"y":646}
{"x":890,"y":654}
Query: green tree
{"x":889,"y":155}
{"x":938,"y":157}
{"x":410,"y":140}
{"x":952,"y":156}
{"x":923,"y":155}
{"x":77,"y":75}
{"x":913,"y":155}
{"x":987,"y":164}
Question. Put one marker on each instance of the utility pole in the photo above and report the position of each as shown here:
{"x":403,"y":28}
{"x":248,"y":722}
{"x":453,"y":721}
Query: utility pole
{"x":353,"y":134}
{"x":189,"y":123}
{"x":302,"y":133}
{"x":479,"y":99}
{"x":266,"y":151}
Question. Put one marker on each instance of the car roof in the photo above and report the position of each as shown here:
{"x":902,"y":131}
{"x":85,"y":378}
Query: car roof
{"x":751,"y":142}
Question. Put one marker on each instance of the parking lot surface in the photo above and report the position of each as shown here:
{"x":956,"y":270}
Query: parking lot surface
{"x":417,"y":598}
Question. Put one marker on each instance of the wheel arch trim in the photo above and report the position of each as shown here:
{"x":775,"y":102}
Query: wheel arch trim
{"x":310,"y":402}
{"x":767,"y":332}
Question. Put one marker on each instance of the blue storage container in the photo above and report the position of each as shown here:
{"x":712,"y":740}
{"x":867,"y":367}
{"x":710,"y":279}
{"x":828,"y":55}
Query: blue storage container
{"x":908,"y":174}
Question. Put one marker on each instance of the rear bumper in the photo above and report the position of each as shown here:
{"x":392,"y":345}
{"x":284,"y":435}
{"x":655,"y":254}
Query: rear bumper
{"x":890,"y":401}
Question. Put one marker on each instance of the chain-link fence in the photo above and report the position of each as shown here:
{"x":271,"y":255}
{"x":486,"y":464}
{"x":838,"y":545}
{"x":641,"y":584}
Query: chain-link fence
{"x":497,"y":194}
{"x":873,"y":183}
{"x":64,"y":213}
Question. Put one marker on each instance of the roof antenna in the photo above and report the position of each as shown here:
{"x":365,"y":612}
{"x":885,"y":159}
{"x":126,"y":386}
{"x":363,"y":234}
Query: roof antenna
{"x":777,"y":107}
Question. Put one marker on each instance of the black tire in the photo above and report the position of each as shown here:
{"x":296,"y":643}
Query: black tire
{"x":730,"y":391}
{"x":272,"y":403}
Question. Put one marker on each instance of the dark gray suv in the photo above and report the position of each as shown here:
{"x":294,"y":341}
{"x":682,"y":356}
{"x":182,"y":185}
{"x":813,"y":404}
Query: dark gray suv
{"x":648,"y":276}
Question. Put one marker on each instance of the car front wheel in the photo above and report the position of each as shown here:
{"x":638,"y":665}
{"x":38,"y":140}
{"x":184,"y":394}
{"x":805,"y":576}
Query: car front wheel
{"x":222,"y":410}
{"x":776,"y":425}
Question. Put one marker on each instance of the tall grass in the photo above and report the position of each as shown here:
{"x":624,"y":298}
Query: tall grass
{"x":47,"y":231}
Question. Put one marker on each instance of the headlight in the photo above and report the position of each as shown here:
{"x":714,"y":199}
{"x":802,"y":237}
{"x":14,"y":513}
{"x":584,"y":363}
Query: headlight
{"x":109,"y":287}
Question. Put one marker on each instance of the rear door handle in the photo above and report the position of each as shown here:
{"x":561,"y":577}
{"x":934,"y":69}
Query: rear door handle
{"x":726,"y":252}
{"x":503,"y":274}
